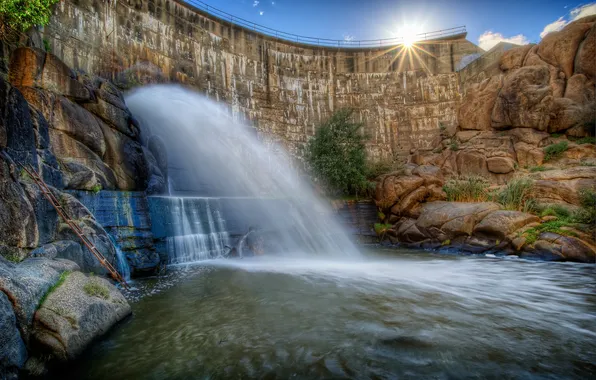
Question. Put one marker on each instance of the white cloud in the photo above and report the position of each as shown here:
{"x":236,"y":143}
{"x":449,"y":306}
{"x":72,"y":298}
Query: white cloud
{"x":583,"y":11}
{"x":574,"y":14}
{"x":261,"y":13}
{"x":273,"y":3}
{"x":553,"y":27}
{"x":255,"y":3}
{"x":489,"y":39}
{"x":349,"y":37}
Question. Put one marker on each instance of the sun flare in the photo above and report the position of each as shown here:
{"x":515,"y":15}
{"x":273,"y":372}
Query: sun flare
{"x":409,"y":35}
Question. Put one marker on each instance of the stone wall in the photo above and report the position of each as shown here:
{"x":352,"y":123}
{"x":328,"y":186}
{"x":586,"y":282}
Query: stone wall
{"x":285,"y":89}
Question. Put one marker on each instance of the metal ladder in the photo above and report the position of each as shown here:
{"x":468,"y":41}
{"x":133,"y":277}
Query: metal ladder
{"x":77,"y":230}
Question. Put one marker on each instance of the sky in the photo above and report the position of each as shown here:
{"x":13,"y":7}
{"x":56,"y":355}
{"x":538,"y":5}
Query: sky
{"x":487,"y":22}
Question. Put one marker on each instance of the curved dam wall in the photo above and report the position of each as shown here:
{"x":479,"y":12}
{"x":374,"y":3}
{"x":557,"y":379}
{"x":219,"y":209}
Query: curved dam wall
{"x":284,"y":89}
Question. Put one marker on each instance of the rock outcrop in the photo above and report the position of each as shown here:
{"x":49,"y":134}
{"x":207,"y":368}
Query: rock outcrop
{"x":483,"y":227}
{"x":77,"y":312}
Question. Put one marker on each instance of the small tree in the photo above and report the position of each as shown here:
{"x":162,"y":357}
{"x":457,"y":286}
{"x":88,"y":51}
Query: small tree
{"x":336,"y":155}
{"x":23,"y":14}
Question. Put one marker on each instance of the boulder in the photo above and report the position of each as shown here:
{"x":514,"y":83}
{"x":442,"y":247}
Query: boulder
{"x":514,"y":58}
{"x":566,"y":113}
{"x":77,"y":312}
{"x":12,"y":348}
{"x":392,"y":188}
{"x":560,"y":48}
{"x":580,"y":89}
{"x":529,"y":136}
{"x":499,"y":224}
{"x":70,"y":250}
{"x":525,"y":99}
{"x":26,"y":283}
{"x":584,"y":60}
{"x":17,"y":136}
{"x":475,"y":110}
{"x":528,"y":155}
{"x":454,"y":218}
{"x":568,"y":247}
{"x":500,"y":165}
{"x":471,"y":162}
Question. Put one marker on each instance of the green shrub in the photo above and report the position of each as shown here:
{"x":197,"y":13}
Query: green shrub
{"x":381,"y":228}
{"x":454,"y":146}
{"x":375,"y":169}
{"x":60,"y":281}
{"x":555,"y":135}
{"x":538,"y":169}
{"x":467,"y":189}
{"x":518,"y":195}
{"x":586,"y":140}
{"x":554,"y":226}
{"x":95,"y":289}
{"x":23,"y":14}
{"x":97,"y":188}
{"x":555,"y":150}
{"x":46,"y":45}
{"x":559,"y":211}
{"x":587,"y":213}
{"x":381,"y":215}
{"x":336,"y":155}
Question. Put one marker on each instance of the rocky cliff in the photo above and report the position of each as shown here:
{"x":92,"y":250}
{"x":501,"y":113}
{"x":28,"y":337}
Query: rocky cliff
{"x":76,"y":131}
{"x":534,"y":122}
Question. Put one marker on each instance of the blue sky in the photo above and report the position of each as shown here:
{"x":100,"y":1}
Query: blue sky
{"x":487,"y":22}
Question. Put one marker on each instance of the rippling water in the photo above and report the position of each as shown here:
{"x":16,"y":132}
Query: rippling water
{"x":393,"y":315}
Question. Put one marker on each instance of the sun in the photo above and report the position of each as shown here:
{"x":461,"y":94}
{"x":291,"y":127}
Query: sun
{"x":409,"y":35}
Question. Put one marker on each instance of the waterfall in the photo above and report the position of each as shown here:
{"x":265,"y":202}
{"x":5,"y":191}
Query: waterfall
{"x":212,"y":158}
{"x":196,"y":229}
{"x":122,"y":262}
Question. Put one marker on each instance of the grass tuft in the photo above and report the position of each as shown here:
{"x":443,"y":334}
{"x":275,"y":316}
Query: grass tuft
{"x":586,"y":140}
{"x":554,"y":151}
{"x":95,"y":289}
{"x":467,"y":189}
{"x":381,"y":228}
{"x":518,"y":195}
{"x":538,"y":169}
{"x":60,"y":281}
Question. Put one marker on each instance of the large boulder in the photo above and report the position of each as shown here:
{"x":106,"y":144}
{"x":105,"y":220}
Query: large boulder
{"x":525,"y":99}
{"x":560,"y":247}
{"x":560,"y":48}
{"x":584,"y":60}
{"x":454,"y":218}
{"x":12,"y":348}
{"x":514,"y":58}
{"x":499,"y":224}
{"x":26,"y":283}
{"x":77,"y":312}
{"x":563,"y":186}
{"x":475,"y":110}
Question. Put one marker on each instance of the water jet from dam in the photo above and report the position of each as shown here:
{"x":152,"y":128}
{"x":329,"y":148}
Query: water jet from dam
{"x":218,"y":167}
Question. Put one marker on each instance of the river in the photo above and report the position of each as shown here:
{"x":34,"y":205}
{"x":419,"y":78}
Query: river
{"x":393,"y":314}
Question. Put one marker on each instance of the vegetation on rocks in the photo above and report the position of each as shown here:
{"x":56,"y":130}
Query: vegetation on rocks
{"x":467,"y":189}
{"x":95,"y":289}
{"x":554,"y":151}
{"x":23,"y":14}
{"x":60,"y":281}
{"x":517,"y":195}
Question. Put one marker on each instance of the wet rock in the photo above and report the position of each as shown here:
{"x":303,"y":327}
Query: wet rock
{"x":80,"y":310}
{"x":518,"y":243}
{"x":570,"y":248}
{"x":114,"y":116}
{"x":12,"y":348}
{"x":499,"y":224}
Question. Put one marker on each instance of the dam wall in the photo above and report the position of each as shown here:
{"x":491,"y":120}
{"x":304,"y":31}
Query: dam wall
{"x":283,"y":88}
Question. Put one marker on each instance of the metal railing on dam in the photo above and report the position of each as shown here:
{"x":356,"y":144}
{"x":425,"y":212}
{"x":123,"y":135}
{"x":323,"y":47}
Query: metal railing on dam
{"x":326,"y":42}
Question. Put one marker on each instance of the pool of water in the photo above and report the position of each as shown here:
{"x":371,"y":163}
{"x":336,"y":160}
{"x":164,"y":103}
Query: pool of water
{"x":394,"y":314}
